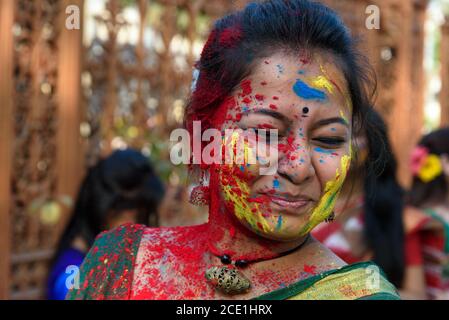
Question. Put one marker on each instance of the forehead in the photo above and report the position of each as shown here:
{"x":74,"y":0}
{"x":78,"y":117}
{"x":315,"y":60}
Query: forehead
{"x":285,"y":80}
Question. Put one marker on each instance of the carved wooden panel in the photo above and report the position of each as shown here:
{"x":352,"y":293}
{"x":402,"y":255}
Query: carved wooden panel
{"x":444,"y":93}
{"x":34,"y":147}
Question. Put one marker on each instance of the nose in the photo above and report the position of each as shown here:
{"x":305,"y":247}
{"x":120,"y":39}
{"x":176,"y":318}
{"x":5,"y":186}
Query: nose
{"x":295,"y":164}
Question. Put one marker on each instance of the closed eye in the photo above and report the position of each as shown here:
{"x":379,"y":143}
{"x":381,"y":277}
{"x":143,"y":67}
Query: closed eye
{"x":330,"y":141}
{"x":265,"y":135}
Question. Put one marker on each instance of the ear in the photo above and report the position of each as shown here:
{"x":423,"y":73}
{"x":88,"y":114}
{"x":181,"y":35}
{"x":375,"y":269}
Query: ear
{"x":445,"y":164}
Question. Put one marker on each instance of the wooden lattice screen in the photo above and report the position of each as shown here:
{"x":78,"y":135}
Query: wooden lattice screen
{"x":72,"y":103}
{"x":444,"y":54}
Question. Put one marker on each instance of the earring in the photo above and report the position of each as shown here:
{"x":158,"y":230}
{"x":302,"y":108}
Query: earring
{"x":330,"y":218}
{"x":200,"y":194}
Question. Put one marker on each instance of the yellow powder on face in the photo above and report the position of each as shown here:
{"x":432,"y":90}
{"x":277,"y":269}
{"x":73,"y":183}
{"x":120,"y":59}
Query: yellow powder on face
{"x":321,"y":82}
{"x":327,"y":201}
{"x":239,"y":199}
{"x":345,"y":94}
{"x":242,"y":209}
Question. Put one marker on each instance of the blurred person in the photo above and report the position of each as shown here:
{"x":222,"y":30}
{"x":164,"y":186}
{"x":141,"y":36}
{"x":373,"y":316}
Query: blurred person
{"x":119,"y":189}
{"x":368,"y":213}
{"x":427,"y":219}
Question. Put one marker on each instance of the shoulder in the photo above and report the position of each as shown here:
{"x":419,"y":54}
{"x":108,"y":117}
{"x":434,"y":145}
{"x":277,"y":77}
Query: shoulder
{"x":416,"y":219}
{"x":167,"y":256}
{"x":107,"y":269}
{"x":364,"y":281}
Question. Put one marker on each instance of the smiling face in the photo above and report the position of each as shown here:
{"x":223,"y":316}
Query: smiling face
{"x":306,"y":101}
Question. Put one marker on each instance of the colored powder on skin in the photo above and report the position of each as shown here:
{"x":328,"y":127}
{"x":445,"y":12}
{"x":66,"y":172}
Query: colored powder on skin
{"x":327,"y":201}
{"x":279,"y":223}
{"x":266,"y":126}
{"x":247,"y":100}
{"x":259,"y":97}
{"x":273,"y":106}
{"x":304,"y":60}
{"x":246,"y":87}
{"x":275,"y":98}
{"x":280,"y":68}
{"x":302,"y":90}
{"x":310,"y":269}
{"x":236,"y":193}
{"x":321,"y":82}
{"x":264,"y":83}
{"x":342,"y":115}
{"x":345,"y":94}
{"x":276,"y":183}
{"x":321,"y":150}
{"x":232,"y":232}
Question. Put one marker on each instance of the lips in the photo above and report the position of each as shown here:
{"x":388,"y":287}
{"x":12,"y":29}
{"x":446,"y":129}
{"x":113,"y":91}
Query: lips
{"x":289,"y":203}
{"x":285,"y":201}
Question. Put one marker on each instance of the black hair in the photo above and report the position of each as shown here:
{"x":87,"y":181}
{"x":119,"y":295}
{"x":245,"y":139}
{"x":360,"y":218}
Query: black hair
{"x":123,"y":180}
{"x":240,"y":40}
{"x":384,"y":201}
{"x":435,"y":191}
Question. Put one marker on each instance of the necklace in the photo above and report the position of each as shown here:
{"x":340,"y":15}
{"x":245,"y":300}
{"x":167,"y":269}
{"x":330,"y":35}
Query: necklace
{"x":230,"y":280}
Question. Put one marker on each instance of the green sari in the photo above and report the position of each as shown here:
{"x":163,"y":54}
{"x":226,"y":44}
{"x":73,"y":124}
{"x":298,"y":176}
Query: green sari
{"x":107,"y":273}
{"x":361,"y":281}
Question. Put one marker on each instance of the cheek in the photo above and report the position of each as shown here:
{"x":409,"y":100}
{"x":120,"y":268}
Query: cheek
{"x":326,"y":165}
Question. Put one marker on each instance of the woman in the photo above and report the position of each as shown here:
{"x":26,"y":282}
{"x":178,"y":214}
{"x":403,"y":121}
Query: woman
{"x":427,"y":220}
{"x":119,"y":189}
{"x":285,"y":69}
{"x":368,"y":223}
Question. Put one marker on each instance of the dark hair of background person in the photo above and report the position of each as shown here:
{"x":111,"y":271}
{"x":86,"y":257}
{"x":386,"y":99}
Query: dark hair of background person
{"x":241,"y":40}
{"x":124,"y":180}
{"x":435,"y":191}
{"x":383,"y":201}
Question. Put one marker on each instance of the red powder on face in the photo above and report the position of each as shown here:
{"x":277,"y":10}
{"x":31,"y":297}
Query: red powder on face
{"x":273,"y":106}
{"x":266,"y":126}
{"x":232,"y":232}
{"x":264,"y":83}
{"x":247,"y":100}
{"x":246,"y":87}
{"x":260,"y":199}
{"x":238,"y":117}
{"x":304,"y":60}
{"x":275,"y":98}
{"x":259,"y":97}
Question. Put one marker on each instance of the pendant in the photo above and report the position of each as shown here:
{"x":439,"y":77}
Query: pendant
{"x":227,"y":280}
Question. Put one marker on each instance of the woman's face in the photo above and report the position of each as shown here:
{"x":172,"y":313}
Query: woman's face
{"x":306,"y":101}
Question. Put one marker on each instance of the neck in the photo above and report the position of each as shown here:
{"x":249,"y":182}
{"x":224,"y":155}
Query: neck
{"x":228,"y":236}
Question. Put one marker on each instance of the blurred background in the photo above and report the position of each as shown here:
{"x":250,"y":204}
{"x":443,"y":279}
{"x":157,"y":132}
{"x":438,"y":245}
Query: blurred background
{"x":71,"y":97}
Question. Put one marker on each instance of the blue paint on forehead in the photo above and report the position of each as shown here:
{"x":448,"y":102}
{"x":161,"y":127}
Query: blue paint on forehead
{"x":302,"y":90}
